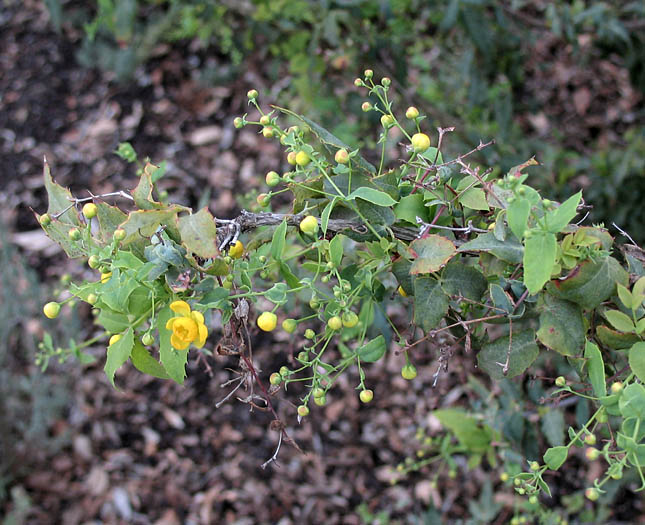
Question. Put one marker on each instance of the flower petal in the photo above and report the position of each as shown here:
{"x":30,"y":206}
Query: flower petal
{"x":170,"y":322}
{"x":177,"y":343}
{"x":180,"y":307}
{"x":198,"y":317}
{"x":203,"y":334}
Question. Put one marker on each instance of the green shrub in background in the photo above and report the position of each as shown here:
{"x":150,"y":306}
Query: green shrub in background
{"x":465,"y":61}
{"x":29,"y":400}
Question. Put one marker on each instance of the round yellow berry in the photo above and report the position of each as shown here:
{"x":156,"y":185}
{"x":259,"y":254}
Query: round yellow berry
{"x":342,"y":157}
{"x":409,"y":371}
{"x":272,"y":179}
{"x":92,"y":298}
{"x":420,"y":142}
{"x":119,"y":234}
{"x":252,"y":94}
{"x":267,"y":132}
{"x":291,"y":158}
{"x":265,"y":120}
{"x":51,"y":310}
{"x":267,"y":321}
{"x":90,"y":210}
{"x":45,"y":220}
{"x":236,"y":250}
{"x":302,"y":158}
{"x":387,"y":121}
{"x":350,"y":319}
{"x":309,"y":225}
{"x":74,"y":234}
{"x":303,"y":411}
{"x":335,"y":323}
{"x":592,"y":494}
{"x":412,"y":113}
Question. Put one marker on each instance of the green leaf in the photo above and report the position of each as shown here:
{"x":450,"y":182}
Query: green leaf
{"x":501,"y":299}
{"x":554,"y":457}
{"x":626,"y":297}
{"x":142,"y":194}
{"x":110,"y":218}
{"x":517,"y":215}
{"x":411,"y":207}
{"x":112,"y":321}
{"x":475,"y":199}
{"x":324,"y":216}
{"x":118,"y":353}
{"x":524,"y":351}
{"x":539,"y":257}
{"x":117,"y":290}
{"x":58,"y":231}
{"x":620,"y":321}
{"x":59,"y":199}
{"x":372,"y":351}
{"x":278,"y":241}
{"x":430,"y":302}
{"x":590,"y":283}
{"x":595,"y":369}
{"x":173,"y":361}
{"x":562,"y":326}
{"x":277,"y":294}
{"x":336,"y":250}
{"x":144,"y":362}
{"x":638,"y":293}
{"x":637,"y":360}
{"x":557,"y":219}
{"x":401,"y":270}
{"x":199,"y":233}
{"x":616,"y":340}
{"x":632,"y":401}
{"x":431,"y":253}
{"x":466,"y":281}
{"x":553,"y":427}
{"x":142,"y":224}
{"x":466,"y":429}
{"x":509,"y":250}
{"x":377,"y":197}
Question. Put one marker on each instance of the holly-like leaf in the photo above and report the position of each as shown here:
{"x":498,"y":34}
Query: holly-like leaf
{"x":474,"y":198}
{"x":430,"y":302}
{"x":595,"y":369}
{"x":492,"y":358}
{"x":58,"y":232}
{"x":199,"y":233}
{"x":590,"y":283}
{"x":466,"y":281}
{"x":173,"y":361}
{"x":539,"y":257}
{"x":110,"y":218}
{"x":142,"y":194}
{"x":59,"y":199}
{"x":562,"y":326}
{"x":373,"y":351}
{"x":144,"y":362}
{"x":509,"y":250}
{"x":118,"y":353}
{"x":431,"y":253}
{"x":142,"y":224}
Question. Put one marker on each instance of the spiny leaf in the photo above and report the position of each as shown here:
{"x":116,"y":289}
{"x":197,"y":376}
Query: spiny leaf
{"x":431,"y":253}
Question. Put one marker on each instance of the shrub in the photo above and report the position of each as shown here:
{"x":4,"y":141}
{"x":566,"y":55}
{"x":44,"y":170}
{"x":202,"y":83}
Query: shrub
{"x":481,"y":264}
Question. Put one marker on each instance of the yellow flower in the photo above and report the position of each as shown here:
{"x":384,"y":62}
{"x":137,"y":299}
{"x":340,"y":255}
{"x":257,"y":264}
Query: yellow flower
{"x":186,"y":328}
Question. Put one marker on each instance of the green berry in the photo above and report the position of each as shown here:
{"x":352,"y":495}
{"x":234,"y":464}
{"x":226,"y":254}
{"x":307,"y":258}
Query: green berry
{"x":252,"y":94}
{"x":533,"y":500}
{"x":412,"y":113}
{"x":342,"y":157}
{"x":265,"y":120}
{"x":303,"y":411}
{"x":358,"y":82}
{"x":147,"y":339}
{"x":560,"y":381}
{"x":238,"y":123}
{"x":368,"y":73}
{"x":289,"y":325}
{"x":45,"y":220}
{"x":318,"y":392}
{"x":92,"y":298}
{"x":366,"y":396}
{"x":366,"y":106}
{"x":592,"y":494}
{"x":350,"y":319}
{"x":119,"y":234}
{"x":387,"y":121}
{"x":94,"y":262}
{"x":51,"y":310}
{"x":275,"y":379}
{"x":263,"y":200}
{"x":420,"y":142}
{"x":309,"y":225}
{"x":74,"y":234}
{"x":267,"y":132}
{"x":309,"y":333}
{"x":534,"y":465}
{"x":590,"y":439}
{"x":272,"y":179}
{"x":409,"y":371}
{"x":284,"y":371}
{"x":320,"y":401}
{"x":616,"y":387}
{"x":90,"y":210}
{"x":385,"y":82}
{"x":302,"y":158}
